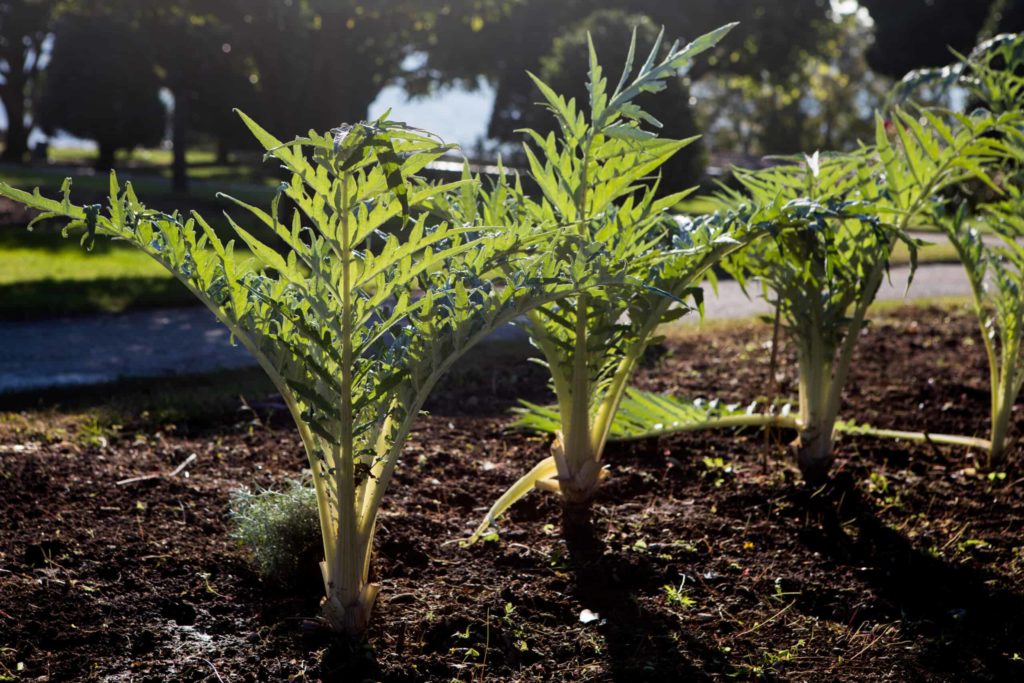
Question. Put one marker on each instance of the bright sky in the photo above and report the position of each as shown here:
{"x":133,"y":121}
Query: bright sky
{"x":455,"y":114}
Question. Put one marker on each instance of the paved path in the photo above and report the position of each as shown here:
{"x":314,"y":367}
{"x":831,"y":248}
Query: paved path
{"x":99,"y":349}
{"x":103,"y":348}
{"x":930,"y":281}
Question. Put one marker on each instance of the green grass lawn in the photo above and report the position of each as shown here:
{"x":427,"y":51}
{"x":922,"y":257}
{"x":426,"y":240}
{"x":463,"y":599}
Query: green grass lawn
{"x":153,"y":157}
{"x":42,"y":275}
{"x":45,"y":275}
{"x":938,"y":251}
{"x":32,"y":257}
{"x":696,"y":206}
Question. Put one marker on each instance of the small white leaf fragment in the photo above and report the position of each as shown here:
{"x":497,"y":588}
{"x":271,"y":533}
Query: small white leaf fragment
{"x":586,"y":616}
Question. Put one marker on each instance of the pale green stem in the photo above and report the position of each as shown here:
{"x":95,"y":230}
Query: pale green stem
{"x":999,"y":416}
{"x":613,"y":398}
{"x":915,"y":437}
{"x":815,"y":384}
{"x":1004,"y":395}
{"x":576,"y":442}
{"x":347,"y":572}
{"x":789,"y":422}
{"x":576,"y":429}
{"x":563,"y":390}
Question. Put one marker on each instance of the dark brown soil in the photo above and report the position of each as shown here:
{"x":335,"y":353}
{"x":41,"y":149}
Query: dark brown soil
{"x":713,"y":561}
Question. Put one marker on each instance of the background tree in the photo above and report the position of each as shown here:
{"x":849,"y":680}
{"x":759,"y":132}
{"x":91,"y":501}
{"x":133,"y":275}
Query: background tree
{"x":301,"y":65}
{"x":824,"y":103}
{"x":192,"y":62}
{"x":497,"y":40}
{"x":107,"y":95}
{"x":24,"y":25}
{"x":911,"y":34}
{"x":329,"y":59}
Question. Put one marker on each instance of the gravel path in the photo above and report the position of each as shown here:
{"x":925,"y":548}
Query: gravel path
{"x":98,"y":349}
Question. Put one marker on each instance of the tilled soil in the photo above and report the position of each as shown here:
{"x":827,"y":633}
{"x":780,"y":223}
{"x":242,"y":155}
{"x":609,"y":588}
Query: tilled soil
{"x":712,"y":560}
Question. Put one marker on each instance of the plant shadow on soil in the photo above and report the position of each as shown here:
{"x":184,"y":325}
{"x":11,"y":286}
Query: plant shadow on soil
{"x":640,"y":642}
{"x":628,"y":627}
{"x":951,"y":608}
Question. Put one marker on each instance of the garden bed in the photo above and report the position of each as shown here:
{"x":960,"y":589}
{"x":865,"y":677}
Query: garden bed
{"x":715,"y":562}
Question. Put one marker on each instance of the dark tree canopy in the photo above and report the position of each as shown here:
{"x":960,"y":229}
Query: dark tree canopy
{"x":911,"y":34}
{"x":791,"y":76}
{"x":826,"y":102}
{"x":500,"y":40}
{"x":109,"y":95}
{"x":320,"y":63}
{"x":294,"y":65}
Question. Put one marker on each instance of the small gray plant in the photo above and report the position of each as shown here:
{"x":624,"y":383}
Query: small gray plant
{"x":279,"y":528}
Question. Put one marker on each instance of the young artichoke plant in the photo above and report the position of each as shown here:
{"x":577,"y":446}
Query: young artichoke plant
{"x":993,"y":75}
{"x":353,"y":326}
{"x":823,"y":282}
{"x":597,"y":180}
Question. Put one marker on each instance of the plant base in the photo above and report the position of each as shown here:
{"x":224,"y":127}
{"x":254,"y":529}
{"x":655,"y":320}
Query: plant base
{"x":350,"y":619}
{"x":814,"y":456}
{"x":578,"y":530}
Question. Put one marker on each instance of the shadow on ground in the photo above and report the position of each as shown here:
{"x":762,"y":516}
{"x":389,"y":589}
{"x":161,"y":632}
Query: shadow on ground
{"x":966,"y":621}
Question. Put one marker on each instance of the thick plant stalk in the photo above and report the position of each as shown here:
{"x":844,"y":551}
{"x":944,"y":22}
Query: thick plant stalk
{"x":578,"y":457}
{"x":1004,"y":395}
{"x":578,"y":465}
{"x":1000,"y":428}
{"x":816,"y":423}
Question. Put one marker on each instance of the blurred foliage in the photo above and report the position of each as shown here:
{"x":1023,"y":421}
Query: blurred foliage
{"x":497,"y":40}
{"x":824,"y":102}
{"x":101,"y":94}
{"x":793,"y":75}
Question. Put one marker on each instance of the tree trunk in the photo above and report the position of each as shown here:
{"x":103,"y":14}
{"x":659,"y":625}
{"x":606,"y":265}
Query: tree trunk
{"x":179,"y":135}
{"x":16,"y":148}
{"x":107,"y":156}
{"x":222,"y":152}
